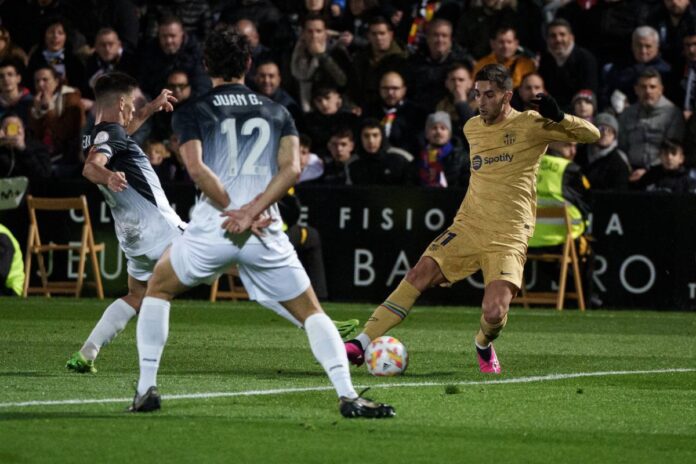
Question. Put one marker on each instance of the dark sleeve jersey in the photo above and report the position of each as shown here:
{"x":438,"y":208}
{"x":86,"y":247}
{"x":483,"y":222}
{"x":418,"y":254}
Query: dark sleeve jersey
{"x":142,"y":215}
{"x":240,"y":132}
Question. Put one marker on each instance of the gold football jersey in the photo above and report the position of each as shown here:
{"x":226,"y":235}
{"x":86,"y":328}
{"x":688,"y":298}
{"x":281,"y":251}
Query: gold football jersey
{"x":504,"y":162}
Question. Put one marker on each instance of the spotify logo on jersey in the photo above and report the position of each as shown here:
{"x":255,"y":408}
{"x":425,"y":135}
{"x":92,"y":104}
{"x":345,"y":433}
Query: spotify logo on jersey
{"x":476,"y":162}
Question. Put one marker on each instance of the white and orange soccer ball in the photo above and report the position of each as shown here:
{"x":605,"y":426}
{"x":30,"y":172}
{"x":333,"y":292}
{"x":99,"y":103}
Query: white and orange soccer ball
{"x":386,"y":357}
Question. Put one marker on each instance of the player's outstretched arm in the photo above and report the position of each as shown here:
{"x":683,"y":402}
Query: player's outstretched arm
{"x":164,"y":101}
{"x":288,"y":172}
{"x":568,"y":128}
{"x":96,"y":172}
{"x":205,"y":179}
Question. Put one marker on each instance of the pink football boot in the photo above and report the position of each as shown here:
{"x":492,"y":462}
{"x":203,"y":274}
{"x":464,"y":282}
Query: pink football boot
{"x":492,"y":366}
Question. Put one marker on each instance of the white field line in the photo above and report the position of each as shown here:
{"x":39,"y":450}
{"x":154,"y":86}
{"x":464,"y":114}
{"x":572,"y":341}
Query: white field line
{"x":281,"y":391}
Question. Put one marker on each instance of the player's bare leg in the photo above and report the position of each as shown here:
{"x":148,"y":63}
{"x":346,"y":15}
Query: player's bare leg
{"x":424,"y":275}
{"x":328,"y":349}
{"x":112,"y":322}
{"x":152,"y":331}
{"x":494,"y":309}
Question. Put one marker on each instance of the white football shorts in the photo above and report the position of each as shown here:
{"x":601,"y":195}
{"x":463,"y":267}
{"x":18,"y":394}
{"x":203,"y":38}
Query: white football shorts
{"x":141,"y":267}
{"x":269,"y":270}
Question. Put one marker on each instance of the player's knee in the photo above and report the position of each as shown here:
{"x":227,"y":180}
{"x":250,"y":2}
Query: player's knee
{"x":494,"y":310}
{"x":424,"y":274}
{"x":134,"y":299}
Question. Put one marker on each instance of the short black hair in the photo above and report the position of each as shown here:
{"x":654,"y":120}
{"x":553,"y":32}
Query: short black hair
{"x":114,"y":83}
{"x":313,"y":17}
{"x":11,"y":114}
{"x":104,"y":31}
{"x":496,"y":73}
{"x":324,"y":90}
{"x":379,"y":19}
{"x":342,"y":132}
{"x":52,"y":70}
{"x":459,"y":65}
{"x":15,"y":63}
{"x":267,"y":60}
{"x":371,"y":123}
{"x":671,"y":146}
{"x":650,"y":73}
{"x":168,"y":20}
{"x":559,"y":22}
{"x":227,"y":53}
{"x":502,"y":29}
{"x":305,"y":141}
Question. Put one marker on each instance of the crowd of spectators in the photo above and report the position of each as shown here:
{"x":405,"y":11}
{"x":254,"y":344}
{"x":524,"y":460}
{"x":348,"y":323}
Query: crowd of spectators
{"x":380,"y":90}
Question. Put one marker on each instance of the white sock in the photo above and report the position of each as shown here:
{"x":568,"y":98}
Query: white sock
{"x":113,"y":321}
{"x":328,"y":348}
{"x":281,"y":311}
{"x":152,"y":331}
{"x":479,"y":346}
{"x":364,"y":340}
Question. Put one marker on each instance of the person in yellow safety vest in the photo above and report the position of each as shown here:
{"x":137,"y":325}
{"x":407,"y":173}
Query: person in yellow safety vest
{"x":559,"y":181}
{"x":11,"y":264}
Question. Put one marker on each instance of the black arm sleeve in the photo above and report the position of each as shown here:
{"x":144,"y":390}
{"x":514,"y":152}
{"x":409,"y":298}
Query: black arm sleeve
{"x":575,"y":188}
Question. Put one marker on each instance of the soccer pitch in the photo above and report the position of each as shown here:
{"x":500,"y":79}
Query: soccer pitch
{"x":240,"y":385}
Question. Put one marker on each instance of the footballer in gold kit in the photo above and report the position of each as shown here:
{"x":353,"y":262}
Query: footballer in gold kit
{"x":496,"y":219}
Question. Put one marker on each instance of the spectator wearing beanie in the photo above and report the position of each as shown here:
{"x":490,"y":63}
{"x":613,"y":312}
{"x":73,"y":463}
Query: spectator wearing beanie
{"x":584,"y":105}
{"x":603,"y":163}
{"x":441,"y":162}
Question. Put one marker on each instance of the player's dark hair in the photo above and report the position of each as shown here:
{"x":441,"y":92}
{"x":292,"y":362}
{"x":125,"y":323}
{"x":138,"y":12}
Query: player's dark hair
{"x":496,"y":73}
{"x":114,"y":83}
{"x":650,"y":73}
{"x":227,"y":54}
{"x":559,"y":22}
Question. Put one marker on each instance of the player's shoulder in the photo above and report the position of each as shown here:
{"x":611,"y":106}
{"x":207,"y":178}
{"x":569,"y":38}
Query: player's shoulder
{"x":106,"y":132}
{"x":473,"y":122}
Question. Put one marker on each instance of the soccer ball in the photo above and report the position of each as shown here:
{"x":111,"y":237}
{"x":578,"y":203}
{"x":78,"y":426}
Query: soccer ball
{"x":386,"y":357}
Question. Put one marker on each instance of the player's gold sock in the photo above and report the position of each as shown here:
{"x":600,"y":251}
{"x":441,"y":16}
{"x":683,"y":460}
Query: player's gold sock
{"x":394,"y":309}
{"x":489,"y":332}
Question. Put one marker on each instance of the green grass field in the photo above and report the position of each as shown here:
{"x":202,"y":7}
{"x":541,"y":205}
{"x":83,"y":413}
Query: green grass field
{"x":625,"y":390}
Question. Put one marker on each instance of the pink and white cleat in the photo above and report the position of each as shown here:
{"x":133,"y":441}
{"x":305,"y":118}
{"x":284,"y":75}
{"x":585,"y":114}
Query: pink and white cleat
{"x":492,"y":366}
{"x":356,"y":355}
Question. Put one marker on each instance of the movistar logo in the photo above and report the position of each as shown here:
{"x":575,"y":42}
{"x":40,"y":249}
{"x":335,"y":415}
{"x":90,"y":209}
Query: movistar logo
{"x":477,"y":161}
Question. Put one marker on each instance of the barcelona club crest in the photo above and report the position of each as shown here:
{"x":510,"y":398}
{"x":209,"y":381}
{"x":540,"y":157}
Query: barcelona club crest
{"x":509,"y":138}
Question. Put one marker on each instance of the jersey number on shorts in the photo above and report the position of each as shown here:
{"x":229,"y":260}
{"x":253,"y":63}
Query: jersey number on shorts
{"x":249,"y":168}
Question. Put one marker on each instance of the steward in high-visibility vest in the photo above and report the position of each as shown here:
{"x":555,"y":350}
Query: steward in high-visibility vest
{"x":11,"y":264}
{"x":559,"y":181}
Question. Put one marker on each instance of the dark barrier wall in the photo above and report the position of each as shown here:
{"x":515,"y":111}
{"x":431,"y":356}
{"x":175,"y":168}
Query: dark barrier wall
{"x":645,"y":244}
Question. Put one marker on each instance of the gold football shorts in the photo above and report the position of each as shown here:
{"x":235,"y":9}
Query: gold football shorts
{"x":462,"y":250}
